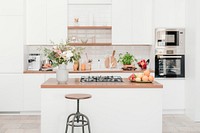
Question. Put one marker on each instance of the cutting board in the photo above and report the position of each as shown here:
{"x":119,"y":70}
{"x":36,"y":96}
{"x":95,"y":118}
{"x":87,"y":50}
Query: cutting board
{"x":111,"y":61}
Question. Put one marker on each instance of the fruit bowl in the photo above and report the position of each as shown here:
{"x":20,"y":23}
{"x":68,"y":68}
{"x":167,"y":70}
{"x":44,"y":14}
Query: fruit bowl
{"x":144,"y":77}
{"x":140,"y":81}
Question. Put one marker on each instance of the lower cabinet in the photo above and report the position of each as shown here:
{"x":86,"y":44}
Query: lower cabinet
{"x":32,"y":96}
{"x":11,"y":92}
{"x":173,"y":95}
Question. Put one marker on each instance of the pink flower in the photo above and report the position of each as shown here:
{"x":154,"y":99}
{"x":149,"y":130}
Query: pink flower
{"x":59,"y":51}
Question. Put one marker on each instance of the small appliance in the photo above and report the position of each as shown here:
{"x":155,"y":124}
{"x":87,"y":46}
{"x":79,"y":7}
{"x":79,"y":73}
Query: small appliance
{"x":34,"y":62}
{"x":169,"y":66}
{"x":170,"y":41}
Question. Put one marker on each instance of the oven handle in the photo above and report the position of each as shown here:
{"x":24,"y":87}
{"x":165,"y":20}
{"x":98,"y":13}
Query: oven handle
{"x":170,"y":57}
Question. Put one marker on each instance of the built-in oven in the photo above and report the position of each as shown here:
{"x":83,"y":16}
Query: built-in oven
{"x":170,"y":39}
{"x":169,"y":66}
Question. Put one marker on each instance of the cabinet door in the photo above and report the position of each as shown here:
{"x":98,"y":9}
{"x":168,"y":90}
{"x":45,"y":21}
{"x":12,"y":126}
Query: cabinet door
{"x":11,"y":51}
{"x":11,"y":92}
{"x":169,"y":13}
{"x":121,"y":22}
{"x":36,"y":22}
{"x":142,"y":32}
{"x":56,"y":20}
{"x":32,"y":95}
{"x":11,"y":7}
{"x":173,"y":94}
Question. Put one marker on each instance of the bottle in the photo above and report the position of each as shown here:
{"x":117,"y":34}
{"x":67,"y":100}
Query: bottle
{"x":98,"y":64}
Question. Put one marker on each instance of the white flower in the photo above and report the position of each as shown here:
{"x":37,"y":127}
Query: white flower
{"x":69,"y":54}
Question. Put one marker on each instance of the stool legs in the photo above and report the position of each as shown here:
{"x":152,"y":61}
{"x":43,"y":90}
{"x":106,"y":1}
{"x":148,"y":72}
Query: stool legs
{"x":78,"y":117}
{"x":88,"y":122}
{"x":83,"y":124}
{"x":68,"y":121}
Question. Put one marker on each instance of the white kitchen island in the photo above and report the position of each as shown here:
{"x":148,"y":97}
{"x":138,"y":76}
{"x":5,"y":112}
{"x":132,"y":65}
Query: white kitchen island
{"x":114,"y":107}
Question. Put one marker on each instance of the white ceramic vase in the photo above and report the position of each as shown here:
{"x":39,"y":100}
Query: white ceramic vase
{"x":62,"y":74}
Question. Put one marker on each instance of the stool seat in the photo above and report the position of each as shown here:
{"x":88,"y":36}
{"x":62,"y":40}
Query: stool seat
{"x":78,"y":96}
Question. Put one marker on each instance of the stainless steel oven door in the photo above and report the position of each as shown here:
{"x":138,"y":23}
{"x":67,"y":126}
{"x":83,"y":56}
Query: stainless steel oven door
{"x":170,"y":66}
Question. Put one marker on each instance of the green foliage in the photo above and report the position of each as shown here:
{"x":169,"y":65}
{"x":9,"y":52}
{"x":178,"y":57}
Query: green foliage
{"x":126,"y":59}
{"x":77,"y":53}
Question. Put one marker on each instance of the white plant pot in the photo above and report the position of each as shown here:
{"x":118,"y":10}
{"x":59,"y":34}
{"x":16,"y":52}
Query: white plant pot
{"x":62,"y":74}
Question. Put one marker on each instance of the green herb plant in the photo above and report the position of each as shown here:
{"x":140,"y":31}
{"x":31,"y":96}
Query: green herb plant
{"x":126,"y":59}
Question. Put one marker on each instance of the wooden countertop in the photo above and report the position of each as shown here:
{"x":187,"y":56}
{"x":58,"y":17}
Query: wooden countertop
{"x":75,"y":83}
{"x":87,"y":71}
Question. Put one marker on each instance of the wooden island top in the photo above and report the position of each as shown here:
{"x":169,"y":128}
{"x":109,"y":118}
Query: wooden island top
{"x":75,"y":83}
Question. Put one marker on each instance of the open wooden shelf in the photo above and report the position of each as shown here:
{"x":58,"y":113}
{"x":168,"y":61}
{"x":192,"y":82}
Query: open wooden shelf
{"x":90,"y":27}
{"x":91,"y":44}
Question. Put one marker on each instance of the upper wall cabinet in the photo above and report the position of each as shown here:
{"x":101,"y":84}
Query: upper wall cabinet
{"x":169,"y":13}
{"x":36,"y":22}
{"x":132,"y":22}
{"x":56,"y":20}
{"x":142,"y":22}
{"x":121,"y":22}
{"x":11,"y":7}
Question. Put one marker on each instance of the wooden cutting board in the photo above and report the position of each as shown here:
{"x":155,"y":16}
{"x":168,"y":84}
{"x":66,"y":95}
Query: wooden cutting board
{"x":111,"y":61}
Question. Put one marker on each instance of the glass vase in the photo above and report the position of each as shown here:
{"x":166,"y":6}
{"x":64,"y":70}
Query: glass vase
{"x":62,"y":74}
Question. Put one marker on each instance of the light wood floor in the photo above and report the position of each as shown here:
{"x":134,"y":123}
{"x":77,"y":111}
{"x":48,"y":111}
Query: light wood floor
{"x":31,"y":124}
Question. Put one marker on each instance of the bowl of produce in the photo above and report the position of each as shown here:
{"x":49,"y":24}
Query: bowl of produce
{"x":144,"y":77}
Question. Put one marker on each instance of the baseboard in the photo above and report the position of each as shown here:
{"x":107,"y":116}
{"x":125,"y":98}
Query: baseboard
{"x":30,"y":113}
{"x":21,"y":113}
{"x":174,"y":111}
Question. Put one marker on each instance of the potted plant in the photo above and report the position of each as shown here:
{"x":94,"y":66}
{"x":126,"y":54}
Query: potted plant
{"x":126,"y":59}
{"x":77,"y":51}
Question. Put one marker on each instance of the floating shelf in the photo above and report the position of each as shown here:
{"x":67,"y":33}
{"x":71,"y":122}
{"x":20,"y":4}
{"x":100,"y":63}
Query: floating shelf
{"x":91,"y":44}
{"x":90,"y":27}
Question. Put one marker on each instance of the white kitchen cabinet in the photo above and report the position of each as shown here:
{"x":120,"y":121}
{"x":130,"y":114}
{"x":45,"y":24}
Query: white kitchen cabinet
{"x":132,"y":22}
{"x":56,"y":20}
{"x":11,"y":92}
{"x":36,"y":22}
{"x":142,"y":26}
{"x":11,"y":7}
{"x":169,"y":13}
{"x":173,"y":95}
{"x":121,"y":22}
{"x":32,"y":95}
{"x":11,"y":51}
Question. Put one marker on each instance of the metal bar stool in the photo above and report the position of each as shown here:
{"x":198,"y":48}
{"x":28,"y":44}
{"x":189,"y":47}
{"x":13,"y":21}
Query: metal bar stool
{"x":78,"y":119}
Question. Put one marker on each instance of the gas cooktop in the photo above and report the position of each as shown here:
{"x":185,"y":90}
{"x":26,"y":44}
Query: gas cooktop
{"x":101,"y":79}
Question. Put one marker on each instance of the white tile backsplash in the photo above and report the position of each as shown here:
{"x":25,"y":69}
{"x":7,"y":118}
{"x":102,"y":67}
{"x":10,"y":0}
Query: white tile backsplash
{"x":101,"y":52}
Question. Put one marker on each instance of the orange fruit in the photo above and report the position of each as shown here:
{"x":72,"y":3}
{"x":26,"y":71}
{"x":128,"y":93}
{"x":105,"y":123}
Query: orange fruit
{"x":151,"y":78}
{"x":147,"y":73}
{"x":145,"y":78}
{"x":139,"y":75}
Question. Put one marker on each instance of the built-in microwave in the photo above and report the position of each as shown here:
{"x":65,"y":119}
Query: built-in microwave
{"x":171,"y":66}
{"x":170,"y":37}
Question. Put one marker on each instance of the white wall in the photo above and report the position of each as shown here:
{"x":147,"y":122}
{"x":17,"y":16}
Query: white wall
{"x":192,"y":59}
